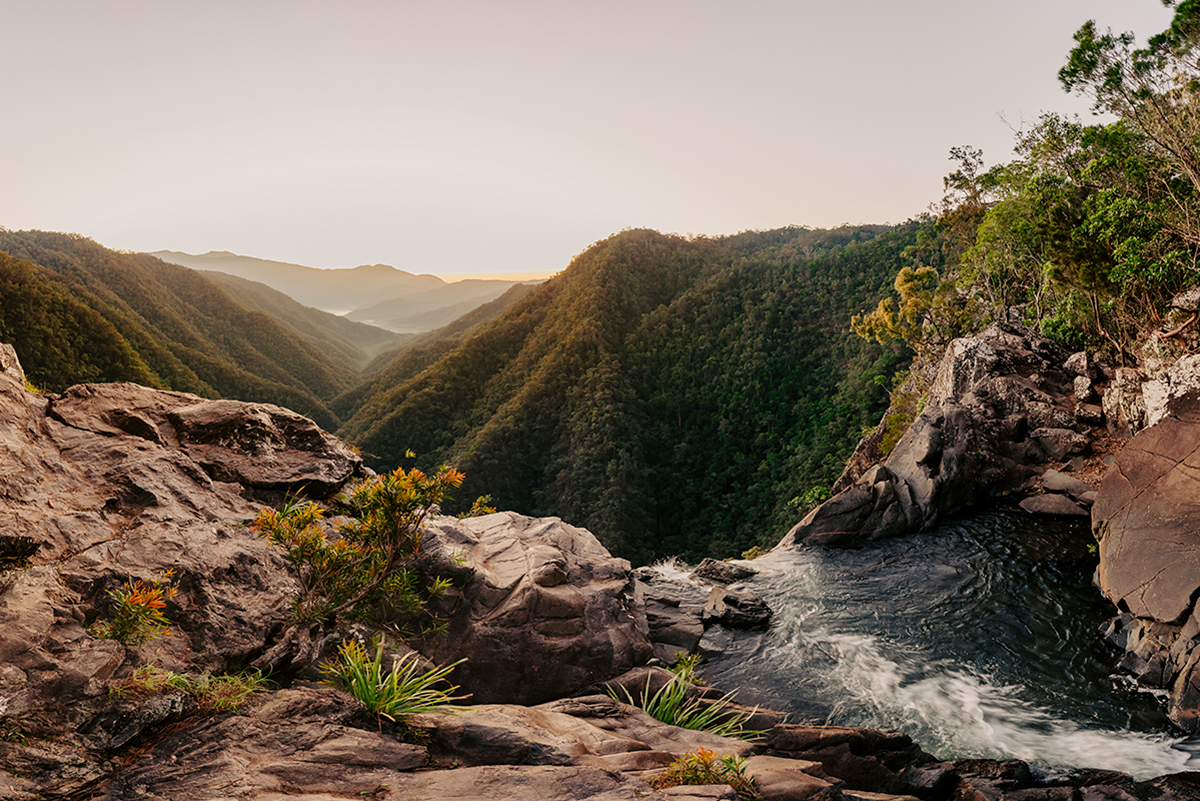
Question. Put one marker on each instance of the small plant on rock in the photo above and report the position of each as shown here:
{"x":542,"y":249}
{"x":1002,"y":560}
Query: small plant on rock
{"x":480,"y":508}
{"x":703,"y":766}
{"x":685,"y":667}
{"x":397,"y":693}
{"x":672,"y":705}
{"x":212,"y":693}
{"x":138,"y":611}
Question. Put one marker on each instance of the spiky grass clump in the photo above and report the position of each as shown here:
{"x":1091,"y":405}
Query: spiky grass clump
{"x":397,"y":693}
{"x":671,"y":704}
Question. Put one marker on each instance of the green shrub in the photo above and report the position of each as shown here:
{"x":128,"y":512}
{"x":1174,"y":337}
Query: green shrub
{"x":479,"y":508}
{"x":703,"y":766}
{"x":671,"y":705}
{"x":138,"y":611}
{"x":685,"y":667}
{"x":753,"y":553}
{"x":396,"y":694}
{"x":370,"y":565}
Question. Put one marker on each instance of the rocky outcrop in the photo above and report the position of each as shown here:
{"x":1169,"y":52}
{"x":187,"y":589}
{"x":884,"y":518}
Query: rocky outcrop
{"x":1147,"y":521}
{"x":1002,"y":405}
{"x":109,"y":482}
{"x":690,"y":613}
{"x":547,"y":609}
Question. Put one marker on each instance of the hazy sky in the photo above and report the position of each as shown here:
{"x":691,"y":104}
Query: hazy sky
{"x":505,"y":136}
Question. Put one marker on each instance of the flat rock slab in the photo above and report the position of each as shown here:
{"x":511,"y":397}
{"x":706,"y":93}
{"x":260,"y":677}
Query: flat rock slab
{"x":1051,"y":504}
{"x":1147,"y":518}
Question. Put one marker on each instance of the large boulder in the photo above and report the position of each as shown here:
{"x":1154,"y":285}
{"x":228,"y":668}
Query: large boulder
{"x":1000,"y":407}
{"x":546,"y":610}
{"x":1147,"y":520}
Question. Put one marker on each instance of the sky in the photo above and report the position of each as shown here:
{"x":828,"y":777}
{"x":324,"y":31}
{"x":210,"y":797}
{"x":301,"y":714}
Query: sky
{"x":503,"y":138}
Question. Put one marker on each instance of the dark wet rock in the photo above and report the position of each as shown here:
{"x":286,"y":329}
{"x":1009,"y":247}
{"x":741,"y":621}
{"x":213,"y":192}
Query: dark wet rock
{"x":736,"y":610}
{"x":1055,"y":481}
{"x":674,"y":611}
{"x":1060,"y":443}
{"x":1089,"y":414}
{"x":723,"y":572}
{"x":1052,"y":504}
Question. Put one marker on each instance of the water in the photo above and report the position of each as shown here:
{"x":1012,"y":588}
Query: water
{"x":978,"y":639}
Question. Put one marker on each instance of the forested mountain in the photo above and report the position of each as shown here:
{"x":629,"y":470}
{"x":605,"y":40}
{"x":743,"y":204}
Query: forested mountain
{"x":76,"y":311}
{"x":672,"y":395}
{"x":344,"y":341}
{"x":416,"y":352}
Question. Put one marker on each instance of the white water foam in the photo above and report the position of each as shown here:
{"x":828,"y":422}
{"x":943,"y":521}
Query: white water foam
{"x":950,"y":709}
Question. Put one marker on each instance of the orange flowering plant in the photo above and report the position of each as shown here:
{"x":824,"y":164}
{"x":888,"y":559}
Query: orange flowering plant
{"x":138,"y":611}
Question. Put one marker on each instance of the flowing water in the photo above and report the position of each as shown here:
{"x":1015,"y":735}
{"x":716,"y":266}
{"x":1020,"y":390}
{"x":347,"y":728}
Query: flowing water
{"x":978,"y":639}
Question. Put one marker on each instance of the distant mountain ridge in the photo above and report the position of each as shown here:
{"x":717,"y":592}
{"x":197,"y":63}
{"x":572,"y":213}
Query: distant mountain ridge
{"x":77,"y":311}
{"x":377,"y":294}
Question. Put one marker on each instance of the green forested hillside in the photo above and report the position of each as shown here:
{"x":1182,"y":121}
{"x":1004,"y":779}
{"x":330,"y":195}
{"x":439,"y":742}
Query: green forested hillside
{"x":163,"y":325}
{"x":672,"y":395}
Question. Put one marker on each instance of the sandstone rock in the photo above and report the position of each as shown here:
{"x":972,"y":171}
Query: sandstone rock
{"x":1188,"y":300}
{"x":1083,"y":389}
{"x":1182,"y":378}
{"x":1052,"y":504}
{"x":1147,"y":519}
{"x":969,"y":444}
{"x":528,"y":638}
{"x":254,"y":444}
{"x":10,"y":365}
{"x":787,"y":779}
{"x":1123,"y":406}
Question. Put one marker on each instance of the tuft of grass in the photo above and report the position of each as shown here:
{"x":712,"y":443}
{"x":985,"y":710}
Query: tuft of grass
{"x":672,"y":706}
{"x":703,"y":766}
{"x":396,"y":693}
{"x":213,"y":693}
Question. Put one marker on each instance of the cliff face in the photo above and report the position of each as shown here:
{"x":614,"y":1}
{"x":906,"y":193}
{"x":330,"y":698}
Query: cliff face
{"x":1001,"y":408}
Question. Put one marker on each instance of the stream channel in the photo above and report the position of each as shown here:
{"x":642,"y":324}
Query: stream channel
{"x":979,"y":639}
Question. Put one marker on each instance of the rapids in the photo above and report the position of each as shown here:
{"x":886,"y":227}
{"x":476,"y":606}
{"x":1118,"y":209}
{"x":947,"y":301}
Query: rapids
{"x":979,"y":639}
